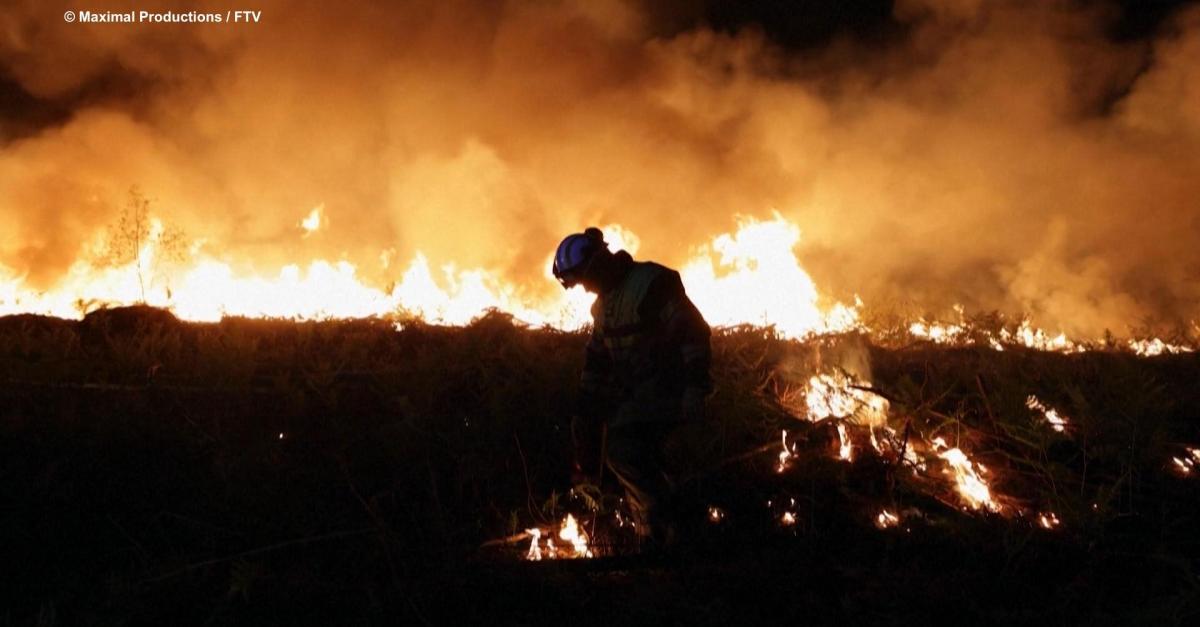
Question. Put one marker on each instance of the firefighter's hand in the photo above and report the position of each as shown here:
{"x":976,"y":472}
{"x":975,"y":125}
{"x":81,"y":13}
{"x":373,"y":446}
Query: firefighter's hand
{"x":693,"y":404}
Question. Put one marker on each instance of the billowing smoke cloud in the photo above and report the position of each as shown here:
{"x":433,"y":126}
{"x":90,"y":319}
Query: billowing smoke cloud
{"x":1003,"y":155}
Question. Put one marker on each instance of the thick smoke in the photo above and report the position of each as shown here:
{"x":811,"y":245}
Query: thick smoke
{"x":1002,"y":155}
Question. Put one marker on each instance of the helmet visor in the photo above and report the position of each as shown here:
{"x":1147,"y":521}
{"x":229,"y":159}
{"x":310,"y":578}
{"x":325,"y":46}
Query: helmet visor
{"x":574,"y":276}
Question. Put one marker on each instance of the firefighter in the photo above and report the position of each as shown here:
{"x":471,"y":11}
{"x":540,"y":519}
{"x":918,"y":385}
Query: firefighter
{"x":645,"y":374}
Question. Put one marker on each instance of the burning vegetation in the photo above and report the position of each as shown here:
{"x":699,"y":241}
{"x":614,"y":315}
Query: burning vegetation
{"x":315,"y":353}
{"x":410,"y":446}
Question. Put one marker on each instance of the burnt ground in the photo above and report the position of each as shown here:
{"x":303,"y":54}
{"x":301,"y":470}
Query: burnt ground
{"x":144,"y":481}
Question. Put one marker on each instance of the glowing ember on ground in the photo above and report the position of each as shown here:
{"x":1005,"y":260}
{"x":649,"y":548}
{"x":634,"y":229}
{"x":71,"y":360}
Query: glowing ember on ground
{"x":715,"y":514}
{"x":1048,"y":520}
{"x":787,"y":519}
{"x":886,"y":519}
{"x":1056,"y":420}
{"x":1188,"y":462}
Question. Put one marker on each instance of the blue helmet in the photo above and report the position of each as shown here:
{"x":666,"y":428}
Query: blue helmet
{"x":575,"y":253}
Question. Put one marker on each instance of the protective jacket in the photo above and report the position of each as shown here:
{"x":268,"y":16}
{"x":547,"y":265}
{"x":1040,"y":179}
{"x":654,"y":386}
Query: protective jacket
{"x":649,"y":343}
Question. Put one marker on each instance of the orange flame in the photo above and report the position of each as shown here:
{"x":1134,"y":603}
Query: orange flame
{"x":570,"y":532}
{"x":1057,"y":421}
{"x":886,"y":519}
{"x":971,"y":486}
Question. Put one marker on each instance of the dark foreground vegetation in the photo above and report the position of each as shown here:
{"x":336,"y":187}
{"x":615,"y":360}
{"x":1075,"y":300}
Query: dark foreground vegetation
{"x":279,"y":473}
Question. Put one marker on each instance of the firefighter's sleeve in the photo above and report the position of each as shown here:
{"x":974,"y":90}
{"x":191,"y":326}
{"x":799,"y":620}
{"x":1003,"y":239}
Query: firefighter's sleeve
{"x":594,"y":383}
{"x":683,"y":326}
{"x":587,"y":426}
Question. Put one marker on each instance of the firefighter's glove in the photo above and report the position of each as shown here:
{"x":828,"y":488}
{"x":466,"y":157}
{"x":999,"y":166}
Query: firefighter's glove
{"x":694,"y":400}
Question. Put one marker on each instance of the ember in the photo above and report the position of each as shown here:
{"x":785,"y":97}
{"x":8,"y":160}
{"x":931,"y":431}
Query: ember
{"x":1048,"y":520}
{"x":886,"y":519}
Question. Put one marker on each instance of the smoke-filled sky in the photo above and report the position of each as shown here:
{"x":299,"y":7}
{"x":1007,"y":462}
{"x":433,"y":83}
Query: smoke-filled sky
{"x":1038,"y":156}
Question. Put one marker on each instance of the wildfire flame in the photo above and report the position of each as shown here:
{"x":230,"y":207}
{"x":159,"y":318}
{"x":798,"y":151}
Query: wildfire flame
{"x":1154,"y":347}
{"x":762,"y":283}
{"x":749,"y":276}
{"x":1024,"y":335}
{"x":838,"y":395}
{"x":1057,"y":421}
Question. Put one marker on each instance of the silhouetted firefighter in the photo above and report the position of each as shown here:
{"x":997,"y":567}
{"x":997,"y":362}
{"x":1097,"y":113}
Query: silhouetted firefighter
{"x":646,"y":373}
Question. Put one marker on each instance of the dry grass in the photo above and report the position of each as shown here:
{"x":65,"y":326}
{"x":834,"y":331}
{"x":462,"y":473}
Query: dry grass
{"x":145,"y":480}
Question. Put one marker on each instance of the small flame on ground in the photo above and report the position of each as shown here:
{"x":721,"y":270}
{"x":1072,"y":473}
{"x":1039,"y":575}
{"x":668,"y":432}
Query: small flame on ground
{"x":535,"y":552}
{"x":785,"y":454}
{"x":787,"y":519}
{"x":970,"y":485}
{"x":886,"y":519}
{"x":1057,"y":421}
{"x":577,"y":537}
{"x":1184,"y":465}
{"x":1048,"y":520}
{"x":570,"y":532}
{"x":846,"y":448}
{"x":715,"y":514}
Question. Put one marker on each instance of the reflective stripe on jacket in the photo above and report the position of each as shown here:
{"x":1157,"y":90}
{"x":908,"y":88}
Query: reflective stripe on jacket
{"x":649,"y":343}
